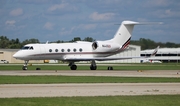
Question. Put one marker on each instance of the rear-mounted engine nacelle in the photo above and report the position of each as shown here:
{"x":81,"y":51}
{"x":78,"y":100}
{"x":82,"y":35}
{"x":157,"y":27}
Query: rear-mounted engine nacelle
{"x":95,"y":45}
{"x":104,"y":46}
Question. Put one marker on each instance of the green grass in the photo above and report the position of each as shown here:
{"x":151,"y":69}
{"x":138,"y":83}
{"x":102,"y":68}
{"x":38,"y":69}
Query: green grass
{"x":81,"y":79}
{"x":163,"y":66}
{"x":150,"y":100}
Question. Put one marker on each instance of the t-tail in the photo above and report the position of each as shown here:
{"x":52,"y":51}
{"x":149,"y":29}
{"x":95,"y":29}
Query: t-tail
{"x":123,"y":34}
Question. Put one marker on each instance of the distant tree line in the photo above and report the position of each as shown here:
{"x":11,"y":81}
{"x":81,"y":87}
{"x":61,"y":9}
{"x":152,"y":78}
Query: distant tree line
{"x":150,"y":44}
{"x":6,"y":43}
{"x":89,"y":39}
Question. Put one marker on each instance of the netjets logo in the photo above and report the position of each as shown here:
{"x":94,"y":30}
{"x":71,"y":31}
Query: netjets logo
{"x":108,"y":46}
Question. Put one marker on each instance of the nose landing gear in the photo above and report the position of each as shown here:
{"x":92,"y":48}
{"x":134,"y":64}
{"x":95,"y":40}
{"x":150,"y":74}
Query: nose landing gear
{"x":25,"y":65}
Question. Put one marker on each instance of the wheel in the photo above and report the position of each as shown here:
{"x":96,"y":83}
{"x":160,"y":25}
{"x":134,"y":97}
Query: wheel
{"x":110,"y":68}
{"x":38,"y":68}
{"x":93,"y":67}
{"x":24,"y":68}
{"x":73,"y":67}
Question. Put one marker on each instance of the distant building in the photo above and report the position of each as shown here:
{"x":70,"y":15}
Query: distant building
{"x":164,"y":54}
{"x":132,"y":50}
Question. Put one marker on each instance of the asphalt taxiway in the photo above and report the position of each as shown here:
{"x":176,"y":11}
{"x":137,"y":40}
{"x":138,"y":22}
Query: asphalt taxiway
{"x":90,"y":89}
{"x":133,"y":73}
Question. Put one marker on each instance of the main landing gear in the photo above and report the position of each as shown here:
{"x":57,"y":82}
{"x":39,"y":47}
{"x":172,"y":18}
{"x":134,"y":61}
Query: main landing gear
{"x":92,"y":66}
{"x":25,"y":65}
{"x":72,"y":66}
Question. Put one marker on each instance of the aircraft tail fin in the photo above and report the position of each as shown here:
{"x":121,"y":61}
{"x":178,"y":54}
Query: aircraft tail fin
{"x":123,"y":34}
{"x":155,"y":51}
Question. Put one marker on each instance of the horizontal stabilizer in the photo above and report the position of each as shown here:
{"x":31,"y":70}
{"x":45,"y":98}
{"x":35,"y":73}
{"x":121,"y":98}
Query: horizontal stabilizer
{"x":140,"y":23}
{"x":150,"y":23}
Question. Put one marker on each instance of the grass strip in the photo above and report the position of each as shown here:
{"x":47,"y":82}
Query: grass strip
{"x":99,"y":67}
{"x":81,"y":79}
{"x":146,"y":100}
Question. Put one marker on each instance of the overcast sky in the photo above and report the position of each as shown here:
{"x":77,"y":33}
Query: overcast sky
{"x":52,"y":20}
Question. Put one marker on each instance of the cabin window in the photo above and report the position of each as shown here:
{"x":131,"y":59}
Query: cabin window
{"x":62,"y":50}
{"x":74,"y":50}
{"x":50,"y":50}
{"x":56,"y":50}
{"x":68,"y":50}
{"x":80,"y":50}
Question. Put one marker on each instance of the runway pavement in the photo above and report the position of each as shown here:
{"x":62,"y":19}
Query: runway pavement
{"x":90,"y":89}
{"x":138,"y":73}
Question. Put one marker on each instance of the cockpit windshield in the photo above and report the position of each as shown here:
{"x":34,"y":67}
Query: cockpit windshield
{"x":27,"y":48}
{"x":31,"y":48}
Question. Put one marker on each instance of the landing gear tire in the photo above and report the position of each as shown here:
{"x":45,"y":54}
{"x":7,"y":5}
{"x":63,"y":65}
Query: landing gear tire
{"x":110,"y":68}
{"x":93,"y":67}
{"x":25,"y":65}
{"x":38,"y":68}
{"x":24,"y":68}
{"x":73,"y":67}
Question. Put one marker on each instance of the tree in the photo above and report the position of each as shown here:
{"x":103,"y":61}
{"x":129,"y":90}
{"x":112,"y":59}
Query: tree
{"x":144,"y":43}
{"x":4,"y":42}
{"x":76,"y":39}
{"x":59,"y":41}
{"x":28,"y":41}
{"x":169,"y":44}
{"x":17,"y":41}
{"x":89,"y":39}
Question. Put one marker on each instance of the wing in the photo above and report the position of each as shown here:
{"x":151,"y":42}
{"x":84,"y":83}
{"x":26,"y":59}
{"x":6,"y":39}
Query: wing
{"x":98,"y":58}
{"x":107,"y":58}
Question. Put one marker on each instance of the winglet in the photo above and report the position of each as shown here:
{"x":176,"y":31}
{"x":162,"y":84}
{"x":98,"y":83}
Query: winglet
{"x":155,"y":52}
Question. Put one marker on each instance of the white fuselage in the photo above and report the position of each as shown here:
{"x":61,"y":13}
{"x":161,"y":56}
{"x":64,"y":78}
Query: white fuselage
{"x":80,"y":50}
{"x":61,"y":51}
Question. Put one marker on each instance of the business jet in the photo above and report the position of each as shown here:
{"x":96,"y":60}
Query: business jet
{"x":81,"y":50}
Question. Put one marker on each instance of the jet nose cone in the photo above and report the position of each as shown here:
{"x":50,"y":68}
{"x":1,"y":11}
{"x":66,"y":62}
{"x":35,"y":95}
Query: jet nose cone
{"x":17,"y":55}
